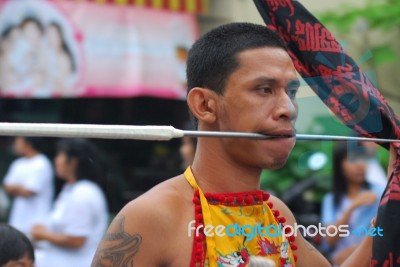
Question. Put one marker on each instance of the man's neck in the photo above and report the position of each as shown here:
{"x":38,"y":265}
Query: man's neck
{"x":217,"y":173}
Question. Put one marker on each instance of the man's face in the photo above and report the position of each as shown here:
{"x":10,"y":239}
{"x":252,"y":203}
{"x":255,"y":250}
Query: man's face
{"x":20,"y":146}
{"x":259,"y":97}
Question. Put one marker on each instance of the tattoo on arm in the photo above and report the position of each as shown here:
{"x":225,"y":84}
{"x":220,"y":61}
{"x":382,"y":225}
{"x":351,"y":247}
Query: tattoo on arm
{"x":117,"y":248}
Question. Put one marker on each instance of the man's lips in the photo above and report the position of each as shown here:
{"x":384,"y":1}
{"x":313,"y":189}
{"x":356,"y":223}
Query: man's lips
{"x":279,"y":134}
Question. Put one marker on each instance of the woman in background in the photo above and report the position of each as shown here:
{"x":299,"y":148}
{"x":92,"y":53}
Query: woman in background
{"x":353,"y":202}
{"x":79,"y":218}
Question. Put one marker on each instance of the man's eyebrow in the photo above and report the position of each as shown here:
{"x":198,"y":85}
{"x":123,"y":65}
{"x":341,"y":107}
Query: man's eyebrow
{"x":265,"y":79}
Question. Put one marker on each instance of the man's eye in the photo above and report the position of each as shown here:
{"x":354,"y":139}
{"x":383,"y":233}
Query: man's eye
{"x":292,"y":92}
{"x":265,"y":90}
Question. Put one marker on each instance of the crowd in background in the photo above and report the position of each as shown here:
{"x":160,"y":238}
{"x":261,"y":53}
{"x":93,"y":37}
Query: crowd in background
{"x":66,"y":231}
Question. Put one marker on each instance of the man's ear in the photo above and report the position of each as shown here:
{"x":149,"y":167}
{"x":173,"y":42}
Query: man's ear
{"x":203,"y":104}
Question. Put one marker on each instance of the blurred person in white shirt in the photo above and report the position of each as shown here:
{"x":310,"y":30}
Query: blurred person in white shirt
{"x":79,"y":218}
{"x":30,"y":181}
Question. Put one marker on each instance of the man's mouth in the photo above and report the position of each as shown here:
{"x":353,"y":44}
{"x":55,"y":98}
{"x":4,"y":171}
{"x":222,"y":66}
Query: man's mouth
{"x":279,"y":134}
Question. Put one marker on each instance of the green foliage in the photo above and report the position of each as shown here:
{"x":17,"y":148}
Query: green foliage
{"x":383,"y":54}
{"x":296,"y":170}
{"x":383,"y":15}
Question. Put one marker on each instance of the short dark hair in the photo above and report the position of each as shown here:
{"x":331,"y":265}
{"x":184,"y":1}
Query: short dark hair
{"x":86,"y":153}
{"x":13,"y":245}
{"x":213,"y":57}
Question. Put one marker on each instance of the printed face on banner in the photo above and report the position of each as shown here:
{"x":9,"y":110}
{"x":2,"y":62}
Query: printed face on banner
{"x":84,"y":49}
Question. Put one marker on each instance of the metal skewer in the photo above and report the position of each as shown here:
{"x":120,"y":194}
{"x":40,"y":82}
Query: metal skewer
{"x":300,"y":137}
{"x":148,"y":132}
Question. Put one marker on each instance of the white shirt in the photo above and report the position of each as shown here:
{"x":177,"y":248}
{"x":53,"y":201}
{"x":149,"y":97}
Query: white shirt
{"x":361,"y":217}
{"x":375,"y":174}
{"x":80,"y":210}
{"x":34,"y":174}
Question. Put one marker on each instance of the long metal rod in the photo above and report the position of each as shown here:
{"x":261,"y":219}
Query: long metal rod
{"x":148,"y":132}
{"x":343,"y":138}
{"x":305,"y":137}
{"x":226,"y":134}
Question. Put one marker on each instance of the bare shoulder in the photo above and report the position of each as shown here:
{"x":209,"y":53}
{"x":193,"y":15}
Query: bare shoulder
{"x":163,"y":202}
{"x":283,"y":209}
{"x":144,"y":227}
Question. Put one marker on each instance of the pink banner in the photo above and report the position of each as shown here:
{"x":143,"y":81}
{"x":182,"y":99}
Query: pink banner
{"x":83,"y":49}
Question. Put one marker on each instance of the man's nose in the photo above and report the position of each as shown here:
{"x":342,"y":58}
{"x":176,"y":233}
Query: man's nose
{"x":285,"y":108}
